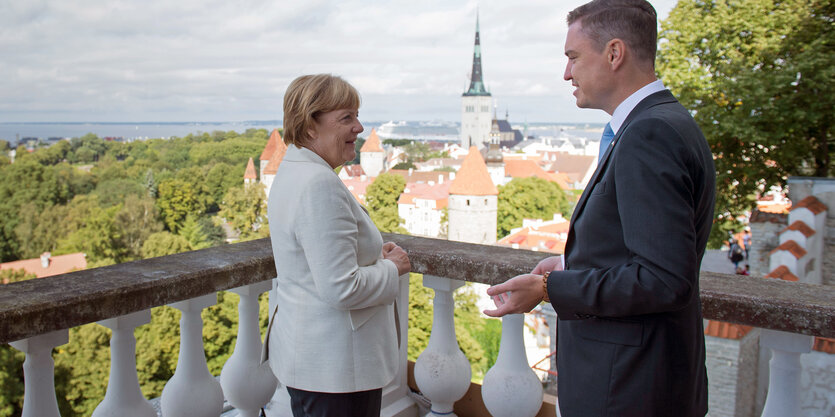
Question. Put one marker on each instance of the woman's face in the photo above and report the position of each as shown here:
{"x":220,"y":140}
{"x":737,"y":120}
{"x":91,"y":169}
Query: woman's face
{"x":333,"y":136}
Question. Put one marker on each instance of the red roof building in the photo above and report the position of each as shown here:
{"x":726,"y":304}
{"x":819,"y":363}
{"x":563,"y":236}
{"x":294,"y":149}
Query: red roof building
{"x":473,"y":178}
{"x":48,"y":265}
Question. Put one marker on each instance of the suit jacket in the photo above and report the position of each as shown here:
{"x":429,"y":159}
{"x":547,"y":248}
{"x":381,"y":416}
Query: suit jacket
{"x":631,"y":338}
{"x":334,"y":329}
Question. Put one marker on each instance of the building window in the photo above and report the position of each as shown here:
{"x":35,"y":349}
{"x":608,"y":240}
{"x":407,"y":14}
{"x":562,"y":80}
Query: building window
{"x":468,"y":202}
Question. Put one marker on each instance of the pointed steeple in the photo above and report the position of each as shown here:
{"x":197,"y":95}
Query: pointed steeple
{"x":249,"y":173}
{"x":473,"y":178}
{"x":476,"y":80}
{"x":372,"y":143}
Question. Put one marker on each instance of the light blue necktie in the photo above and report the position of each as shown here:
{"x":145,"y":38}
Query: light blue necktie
{"x":608,"y":135}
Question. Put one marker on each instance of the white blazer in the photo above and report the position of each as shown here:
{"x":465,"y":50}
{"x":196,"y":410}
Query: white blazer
{"x":334,"y":329}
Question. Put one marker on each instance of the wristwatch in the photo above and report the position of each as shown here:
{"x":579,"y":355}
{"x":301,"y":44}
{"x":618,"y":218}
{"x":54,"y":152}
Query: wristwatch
{"x":545,"y":286}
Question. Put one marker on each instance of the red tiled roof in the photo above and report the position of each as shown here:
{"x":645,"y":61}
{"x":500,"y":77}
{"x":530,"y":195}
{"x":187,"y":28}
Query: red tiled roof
{"x":547,"y":236}
{"x":357,"y":186}
{"x":812,"y":203}
{"x":420,"y":176}
{"x":792,"y":247}
{"x":272,"y":143}
{"x":726,"y":330}
{"x":782,"y":272}
{"x":473,"y":178}
{"x":59,"y":264}
{"x":249,"y":174}
{"x":801,"y":227}
{"x":353,"y":170}
{"x":372,"y":143}
{"x":276,"y":158}
{"x":519,"y":168}
{"x":759,"y":216}
{"x":825,"y":345}
{"x":437,"y":192}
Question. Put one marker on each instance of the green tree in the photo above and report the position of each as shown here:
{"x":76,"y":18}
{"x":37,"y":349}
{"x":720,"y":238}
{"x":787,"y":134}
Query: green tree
{"x":92,"y":231}
{"x":177,"y":199}
{"x":11,"y":381}
{"x":136,"y":220}
{"x":194,"y":234}
{"x":529,"y":198}
{"x":8,"y":276}
{"x":759,"y":77}
{"x":381,"y":199}
{"x":245,"y":211}
{"x":164,"y":243}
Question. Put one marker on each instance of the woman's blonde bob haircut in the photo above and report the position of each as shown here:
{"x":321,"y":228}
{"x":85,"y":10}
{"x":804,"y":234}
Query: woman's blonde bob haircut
{"x":309,"y":96}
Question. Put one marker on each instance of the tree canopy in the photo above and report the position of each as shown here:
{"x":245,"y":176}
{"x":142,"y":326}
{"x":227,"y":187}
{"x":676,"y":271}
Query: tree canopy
{"x":381,"y":199}
{"x":759,"y":77}
{"x":529,"y":198}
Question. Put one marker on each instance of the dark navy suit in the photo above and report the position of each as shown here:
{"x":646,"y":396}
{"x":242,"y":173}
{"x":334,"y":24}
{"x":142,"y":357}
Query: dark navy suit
{"x":631,"y":339}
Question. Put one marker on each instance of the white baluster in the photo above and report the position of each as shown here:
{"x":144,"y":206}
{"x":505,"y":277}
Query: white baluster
{"x":248,"y":384}
{"x":192,"y":391}
{"x":442,"y":372}
{"x":783,"y":398}
{"x":396,"y":402}
{"x":510,"y":387}
{"x":124,"y":397}
{"x":39,"y":373}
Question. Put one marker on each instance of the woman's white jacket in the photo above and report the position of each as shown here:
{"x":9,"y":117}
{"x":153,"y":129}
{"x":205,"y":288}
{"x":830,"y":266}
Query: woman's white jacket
{"x":334,"y":328}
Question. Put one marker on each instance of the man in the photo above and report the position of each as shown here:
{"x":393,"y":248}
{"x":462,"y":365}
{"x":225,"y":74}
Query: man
{"x":631,"y":341}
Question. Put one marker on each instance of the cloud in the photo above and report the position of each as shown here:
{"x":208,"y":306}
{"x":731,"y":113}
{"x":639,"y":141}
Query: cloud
{"x":212,"y":60}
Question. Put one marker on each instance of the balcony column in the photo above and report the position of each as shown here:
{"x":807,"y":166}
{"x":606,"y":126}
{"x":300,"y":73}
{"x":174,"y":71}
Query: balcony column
{"x":442,"y":372}
{"x":783,"y":398}
{"x":192,"y":391}
{"x":39,"y":373}
{"x":247,"y":383}
{"x":511,"y":387}
{"x":124,"y":397}
{"x":396,"y":402}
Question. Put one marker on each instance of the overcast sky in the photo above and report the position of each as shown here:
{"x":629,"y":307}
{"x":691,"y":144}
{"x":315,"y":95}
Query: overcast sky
{"x":212,"y":60}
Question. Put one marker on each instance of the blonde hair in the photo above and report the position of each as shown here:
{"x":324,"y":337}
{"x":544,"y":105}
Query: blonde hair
{"x":309,"y":96}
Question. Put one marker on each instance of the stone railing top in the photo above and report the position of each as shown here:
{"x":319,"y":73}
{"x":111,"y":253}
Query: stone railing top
{"x":39,"y":306}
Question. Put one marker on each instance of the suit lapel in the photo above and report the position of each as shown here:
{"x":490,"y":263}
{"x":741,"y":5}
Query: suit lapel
{"x":651,"y":100}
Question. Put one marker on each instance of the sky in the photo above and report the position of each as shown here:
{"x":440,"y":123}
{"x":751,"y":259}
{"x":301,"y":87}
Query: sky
{"x":212,"y":60}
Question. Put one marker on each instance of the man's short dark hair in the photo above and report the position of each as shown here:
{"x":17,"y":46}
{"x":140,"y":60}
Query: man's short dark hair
{"x":632,"y":21}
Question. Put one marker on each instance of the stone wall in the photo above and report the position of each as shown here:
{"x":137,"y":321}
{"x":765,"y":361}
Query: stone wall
{"x":731,"y":366}
{"x":765,"y":229}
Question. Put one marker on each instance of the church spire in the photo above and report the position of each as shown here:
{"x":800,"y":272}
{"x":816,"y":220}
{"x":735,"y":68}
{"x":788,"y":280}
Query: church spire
{"x":476,"y":80}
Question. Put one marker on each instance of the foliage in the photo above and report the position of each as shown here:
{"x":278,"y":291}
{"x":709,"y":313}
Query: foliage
{"x":90,"y":229}
{"x":244,"y":209}
{"x":164,"y":243}
{"x":404,"y":165}
{"x":136,"y":220}
{"x":758,"y":75}
{"x":177,"y":199}
{"x":8,"y":276}
{"x":381,"y":199}
{"x":529,"y":198}
{"x":397,"y":142}
{"x":192,"y":231}
{"x":11,"y":381}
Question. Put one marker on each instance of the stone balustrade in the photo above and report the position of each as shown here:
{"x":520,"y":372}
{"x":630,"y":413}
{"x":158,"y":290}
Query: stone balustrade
{"x":35,"y":316}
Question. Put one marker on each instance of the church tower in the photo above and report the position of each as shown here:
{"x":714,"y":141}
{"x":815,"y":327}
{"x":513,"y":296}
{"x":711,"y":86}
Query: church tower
{"x":476,"y":103}
{"x":473,"y":202}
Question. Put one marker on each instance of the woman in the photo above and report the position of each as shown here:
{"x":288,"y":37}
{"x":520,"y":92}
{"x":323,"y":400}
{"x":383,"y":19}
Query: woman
{"x":333,"y":341}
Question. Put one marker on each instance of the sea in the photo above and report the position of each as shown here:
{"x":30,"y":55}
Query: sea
{"x":15,"y":133}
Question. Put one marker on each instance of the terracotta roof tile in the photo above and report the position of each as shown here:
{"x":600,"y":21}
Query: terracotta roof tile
{"x":812,"y":203}
{"x":726,"y":330}
{"x":424,"y":191}
{"x":548,"y":236}
{"x":473,"y":178}
{"x":759,"y":216}
{"x":792,"y":247}
{"x":272,"y":143}
{"x":801,"y":227}
{"x":518,"y":168}
{"x":372,"y":143}
{"x":60,"y":264}
{"x":249,"y":174}
{"x":782,"y":272}
{"x":276,"y":158}
{"x":353,"y":170}
{"x":825,"y":345}
{"x":420,"y":176}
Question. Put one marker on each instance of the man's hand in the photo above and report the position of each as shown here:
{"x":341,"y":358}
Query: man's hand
{"x":525,"y":292}
{"x":553,"y":263}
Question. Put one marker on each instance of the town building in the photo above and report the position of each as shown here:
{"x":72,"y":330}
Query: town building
{"x":270,"y":160}
{"x":47,"y":265}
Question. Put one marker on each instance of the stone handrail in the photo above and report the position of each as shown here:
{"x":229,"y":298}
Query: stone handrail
{"x":43,"y":305}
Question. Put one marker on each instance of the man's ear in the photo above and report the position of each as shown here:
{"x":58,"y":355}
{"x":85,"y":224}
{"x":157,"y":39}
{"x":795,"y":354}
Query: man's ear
{"x":616,"y":53}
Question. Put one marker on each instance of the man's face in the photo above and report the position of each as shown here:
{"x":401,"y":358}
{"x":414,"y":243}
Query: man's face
{"x":588,"y":69}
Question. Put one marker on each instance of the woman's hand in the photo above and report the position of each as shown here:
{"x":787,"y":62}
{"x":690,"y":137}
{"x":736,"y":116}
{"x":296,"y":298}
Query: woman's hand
{"x":397,"y":255}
